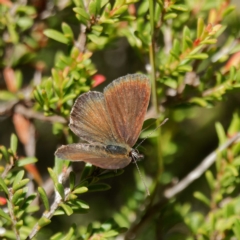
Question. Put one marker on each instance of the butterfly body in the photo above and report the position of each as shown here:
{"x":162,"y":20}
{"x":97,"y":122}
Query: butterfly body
{"x":110,"y":122}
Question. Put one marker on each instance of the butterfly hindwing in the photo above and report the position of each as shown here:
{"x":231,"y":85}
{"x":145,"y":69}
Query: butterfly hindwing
{"x":98,"y":155}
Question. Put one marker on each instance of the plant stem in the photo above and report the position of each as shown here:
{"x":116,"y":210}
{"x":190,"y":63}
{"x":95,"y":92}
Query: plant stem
{"x":154,"y":87}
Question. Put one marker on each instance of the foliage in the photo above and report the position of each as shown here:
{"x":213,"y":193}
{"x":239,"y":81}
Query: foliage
{"x":50,"y":55}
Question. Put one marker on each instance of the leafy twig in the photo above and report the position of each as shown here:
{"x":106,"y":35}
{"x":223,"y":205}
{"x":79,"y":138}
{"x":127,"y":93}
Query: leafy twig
{"x":179,"y":187}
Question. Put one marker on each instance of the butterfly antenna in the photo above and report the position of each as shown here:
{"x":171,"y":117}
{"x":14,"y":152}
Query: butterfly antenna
{"x":164,"y":121}
{"x":141,"y":176}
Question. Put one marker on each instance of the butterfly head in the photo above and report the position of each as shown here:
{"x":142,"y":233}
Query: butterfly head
{"x":135,"y":155}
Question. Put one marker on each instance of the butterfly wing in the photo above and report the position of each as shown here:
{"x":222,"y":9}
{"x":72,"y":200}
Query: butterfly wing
{"x":90,"y":120}
{"x":97,"y":155}
{"x":127,"y":99}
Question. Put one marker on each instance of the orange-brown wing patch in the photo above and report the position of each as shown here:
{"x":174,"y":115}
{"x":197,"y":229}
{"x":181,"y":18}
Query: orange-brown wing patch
{"x":94,"y":154}
{"x":127,"y":99}
{"x":90,"y":120}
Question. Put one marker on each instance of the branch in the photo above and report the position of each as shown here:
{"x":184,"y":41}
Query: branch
{"x":184,"y":183}
{"x":199,"y":170}
{"x":31,"y":114}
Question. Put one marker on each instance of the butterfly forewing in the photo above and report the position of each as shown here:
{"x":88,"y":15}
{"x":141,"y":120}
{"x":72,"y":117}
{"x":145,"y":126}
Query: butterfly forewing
{"x":127,"y":99}
{"x":97,"y":155}
{"x":90,"y":120}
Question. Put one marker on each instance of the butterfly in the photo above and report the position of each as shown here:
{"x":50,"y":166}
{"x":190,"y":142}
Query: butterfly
{"x":110,"y":123}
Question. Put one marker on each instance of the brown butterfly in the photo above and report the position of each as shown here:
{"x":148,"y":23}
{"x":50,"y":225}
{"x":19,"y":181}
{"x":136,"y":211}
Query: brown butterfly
{"x":110,"y":122}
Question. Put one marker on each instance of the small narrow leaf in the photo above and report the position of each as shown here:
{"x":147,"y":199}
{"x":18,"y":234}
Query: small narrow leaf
{"x":53,"y":176}
{"x":210,"y":179}
{"x":80,"y":190}
{"x":25,"y":161}
{"x":68,"y":33}
{"x":55,"y":35}
{"x":44,"y":198}
{"x":67,"y":209}
{"x":17,"y":196}
{"x":72,"y":180}
{"x":59,"y":187}
{"x":14,"y":143}
{"x":200,"y":56}
{"x":86,"y":171}
{"x":200,"y":196}
{"x":21,"y":184}
{"x":111,"y":174}
{"x":4,"y":215}
{"x":170,"y":16}
{"x":98,"y":187}
{"x":43,"y":222}
{"x":220,"y":132}
{"x":18,"y":178}
{"x":4,"y":186}
{"x":200,"y":27}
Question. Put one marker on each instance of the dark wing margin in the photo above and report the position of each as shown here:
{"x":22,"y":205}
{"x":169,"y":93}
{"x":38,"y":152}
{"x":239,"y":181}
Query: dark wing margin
{"x":127,"y":99}
{"x":95,"y":154}
{"x":90,"y":120}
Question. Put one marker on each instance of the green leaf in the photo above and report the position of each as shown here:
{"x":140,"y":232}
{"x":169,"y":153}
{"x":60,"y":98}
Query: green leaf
{"x":236,"y":228}
{"x":80,"y":204}
{"x":119,"y":11}
{"x":4,"y":186}
{"x":201,"y":102}
{"x":200,"y":56}
{"x":4,"y":215}
{"x":18,"y":178}
{"x":68,"y":33}
{"x":53,"y":176}
{"x":200,"y":27}
{"x":25,"y":161}
{"x":14,"y":143}
{"x":17,"y":196}
{"x":113,"y":232}
{"x":200,"y":196}
{"x":5,"y":153}
{"x":44,"y":198}
{"x":57,"y":36}
{"x":67,"y":209}
{"x":86,"y":171}
{"x":98,"y":187}
{"x":19,"y":224}
{"x":179,"y":7}
{"x":184,"y":68}
{"x":82,"y":13}
{"x":80,"y":190}
{"x":209,"y":41}
{"x":221,"y":133}
{"x":43,"y":221}
{"x":57,"y":236}
{"x":72,"y":180}
{"x":170,"y":16}
{"x":185,"y":39}
{"x":210,"y":179}
{"x":59,"y":187}
{"x":111,"y":174}
{"x":21,"y":184}
{"x":6,"y":96}
{"x":228,"y":10}
{"x":69,"y":97}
